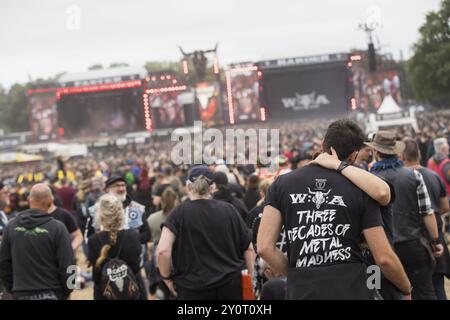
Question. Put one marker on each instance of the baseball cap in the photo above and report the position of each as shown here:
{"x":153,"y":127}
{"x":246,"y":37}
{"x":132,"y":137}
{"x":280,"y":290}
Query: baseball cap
{"x":200,"y":170}
{"x":112,"y":180}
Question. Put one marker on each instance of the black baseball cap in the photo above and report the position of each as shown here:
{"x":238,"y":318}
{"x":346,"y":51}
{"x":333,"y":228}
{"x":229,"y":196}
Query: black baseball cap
{"x":112,"y":180}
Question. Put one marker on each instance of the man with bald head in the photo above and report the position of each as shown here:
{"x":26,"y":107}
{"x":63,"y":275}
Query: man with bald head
{"x":36,"y":252}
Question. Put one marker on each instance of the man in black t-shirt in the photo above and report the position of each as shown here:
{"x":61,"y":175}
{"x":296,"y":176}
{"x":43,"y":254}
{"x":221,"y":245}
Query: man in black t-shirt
{"x":69,"y":221}
{"x":325,"y":217}
{"x":207,"y":242}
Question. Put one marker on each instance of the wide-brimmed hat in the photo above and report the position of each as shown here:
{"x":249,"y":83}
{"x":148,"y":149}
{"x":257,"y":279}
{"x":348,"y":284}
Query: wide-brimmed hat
{"x":386,"y":143}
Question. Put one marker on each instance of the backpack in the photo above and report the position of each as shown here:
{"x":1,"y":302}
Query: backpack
{"x":118,"y":281}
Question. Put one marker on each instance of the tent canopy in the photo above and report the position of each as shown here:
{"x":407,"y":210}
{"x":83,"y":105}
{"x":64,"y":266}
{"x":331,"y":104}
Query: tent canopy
{"x":18,"y":157}
{"x":388,"y":106}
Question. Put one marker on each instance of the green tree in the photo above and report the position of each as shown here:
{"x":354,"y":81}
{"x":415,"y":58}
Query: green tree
{"x":155,"y":66}
{"x":429,"y":67}
{"x":13,"y":109}
{"x":95,"y":67}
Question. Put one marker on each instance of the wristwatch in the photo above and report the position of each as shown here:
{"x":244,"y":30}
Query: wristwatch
{"x":342,"y":166}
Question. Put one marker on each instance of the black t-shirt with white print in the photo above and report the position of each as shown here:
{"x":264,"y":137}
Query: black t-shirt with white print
{"x":324,"y":215}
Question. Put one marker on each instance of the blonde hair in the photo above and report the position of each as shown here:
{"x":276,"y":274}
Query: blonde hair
{"x":264,"y":186}
{"x":110,"y":215}
{"x":200,"y":186}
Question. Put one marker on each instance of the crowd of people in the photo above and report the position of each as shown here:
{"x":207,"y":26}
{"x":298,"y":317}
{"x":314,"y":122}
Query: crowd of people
{"x":337,"y":201}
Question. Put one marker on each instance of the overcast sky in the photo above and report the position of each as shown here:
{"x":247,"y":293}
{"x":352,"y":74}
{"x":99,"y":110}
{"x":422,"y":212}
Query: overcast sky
{"x":39,"y":38}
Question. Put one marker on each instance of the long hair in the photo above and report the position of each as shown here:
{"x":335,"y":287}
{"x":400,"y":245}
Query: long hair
{"x":263,"y":188}
{"x":169,"y":200}
{"x":110,"y":215}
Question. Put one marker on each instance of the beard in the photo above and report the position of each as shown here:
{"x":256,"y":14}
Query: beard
{"x":4,"y":203}
{"x":122,"y":196}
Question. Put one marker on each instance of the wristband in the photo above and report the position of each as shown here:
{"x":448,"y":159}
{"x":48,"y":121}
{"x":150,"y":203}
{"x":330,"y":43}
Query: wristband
{"x":434,"y":241}
{"x":342,"y":166}
{"x":166,"y":278}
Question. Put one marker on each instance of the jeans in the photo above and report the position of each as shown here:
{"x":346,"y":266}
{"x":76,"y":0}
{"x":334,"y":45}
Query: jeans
{"x":418,"y":265}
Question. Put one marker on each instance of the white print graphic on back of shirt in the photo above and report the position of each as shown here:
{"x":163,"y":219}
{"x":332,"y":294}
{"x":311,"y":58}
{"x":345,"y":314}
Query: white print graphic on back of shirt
{"x":319,"y":196}
{"x":320,"y":237}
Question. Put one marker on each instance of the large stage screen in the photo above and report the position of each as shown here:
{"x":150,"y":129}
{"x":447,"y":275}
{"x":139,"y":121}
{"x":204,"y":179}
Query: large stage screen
{"x":309,"y":90}
{"x":42,"y":115}
{"x":208,"y":103}
{"x":167,"y":110}
{"x":245,"y":93}
{"x":102,"y":113}
{"x":371,"y":88}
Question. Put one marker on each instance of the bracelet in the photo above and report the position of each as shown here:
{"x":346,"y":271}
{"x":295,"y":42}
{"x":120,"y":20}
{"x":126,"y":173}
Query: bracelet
{"x":166,"y":278}
{"x":342,"y":166}
{"x":434,"y":241}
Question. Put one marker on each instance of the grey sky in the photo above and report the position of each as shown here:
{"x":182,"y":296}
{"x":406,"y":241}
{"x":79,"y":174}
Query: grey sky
{"x":35,"y":39}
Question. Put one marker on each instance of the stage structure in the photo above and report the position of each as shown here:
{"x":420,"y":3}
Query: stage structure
{"x":295,"y":88}
{"x":95,"y":103}
{"x":203,"y":76}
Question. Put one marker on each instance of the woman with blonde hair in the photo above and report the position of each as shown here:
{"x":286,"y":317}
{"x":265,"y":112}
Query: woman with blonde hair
{"x":112,"y":241}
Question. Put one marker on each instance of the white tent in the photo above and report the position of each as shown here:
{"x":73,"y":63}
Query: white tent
{"x":389,"y":106}
{"x":391,"y":115}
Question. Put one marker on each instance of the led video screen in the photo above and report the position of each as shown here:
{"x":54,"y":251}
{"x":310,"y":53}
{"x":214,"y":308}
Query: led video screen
{"x":103,"y":113}
{"x":42,"y":115}
{"x":245,"y":93}
{"x":314,"y":90}
{"x":371,"y":88}
{"x":208,"y":104}
{"x":167,"y":110}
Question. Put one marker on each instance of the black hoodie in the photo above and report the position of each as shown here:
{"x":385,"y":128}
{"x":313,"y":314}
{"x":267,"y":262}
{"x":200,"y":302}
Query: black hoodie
{"x":35,"y":254}
{"x":224,"y":194}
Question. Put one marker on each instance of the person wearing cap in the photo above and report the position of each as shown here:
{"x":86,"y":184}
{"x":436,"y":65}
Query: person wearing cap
{"x":301,"y":159}
{"x":409,"y":214}
{"x":134,"y":212}
{"x":204,"y":245}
